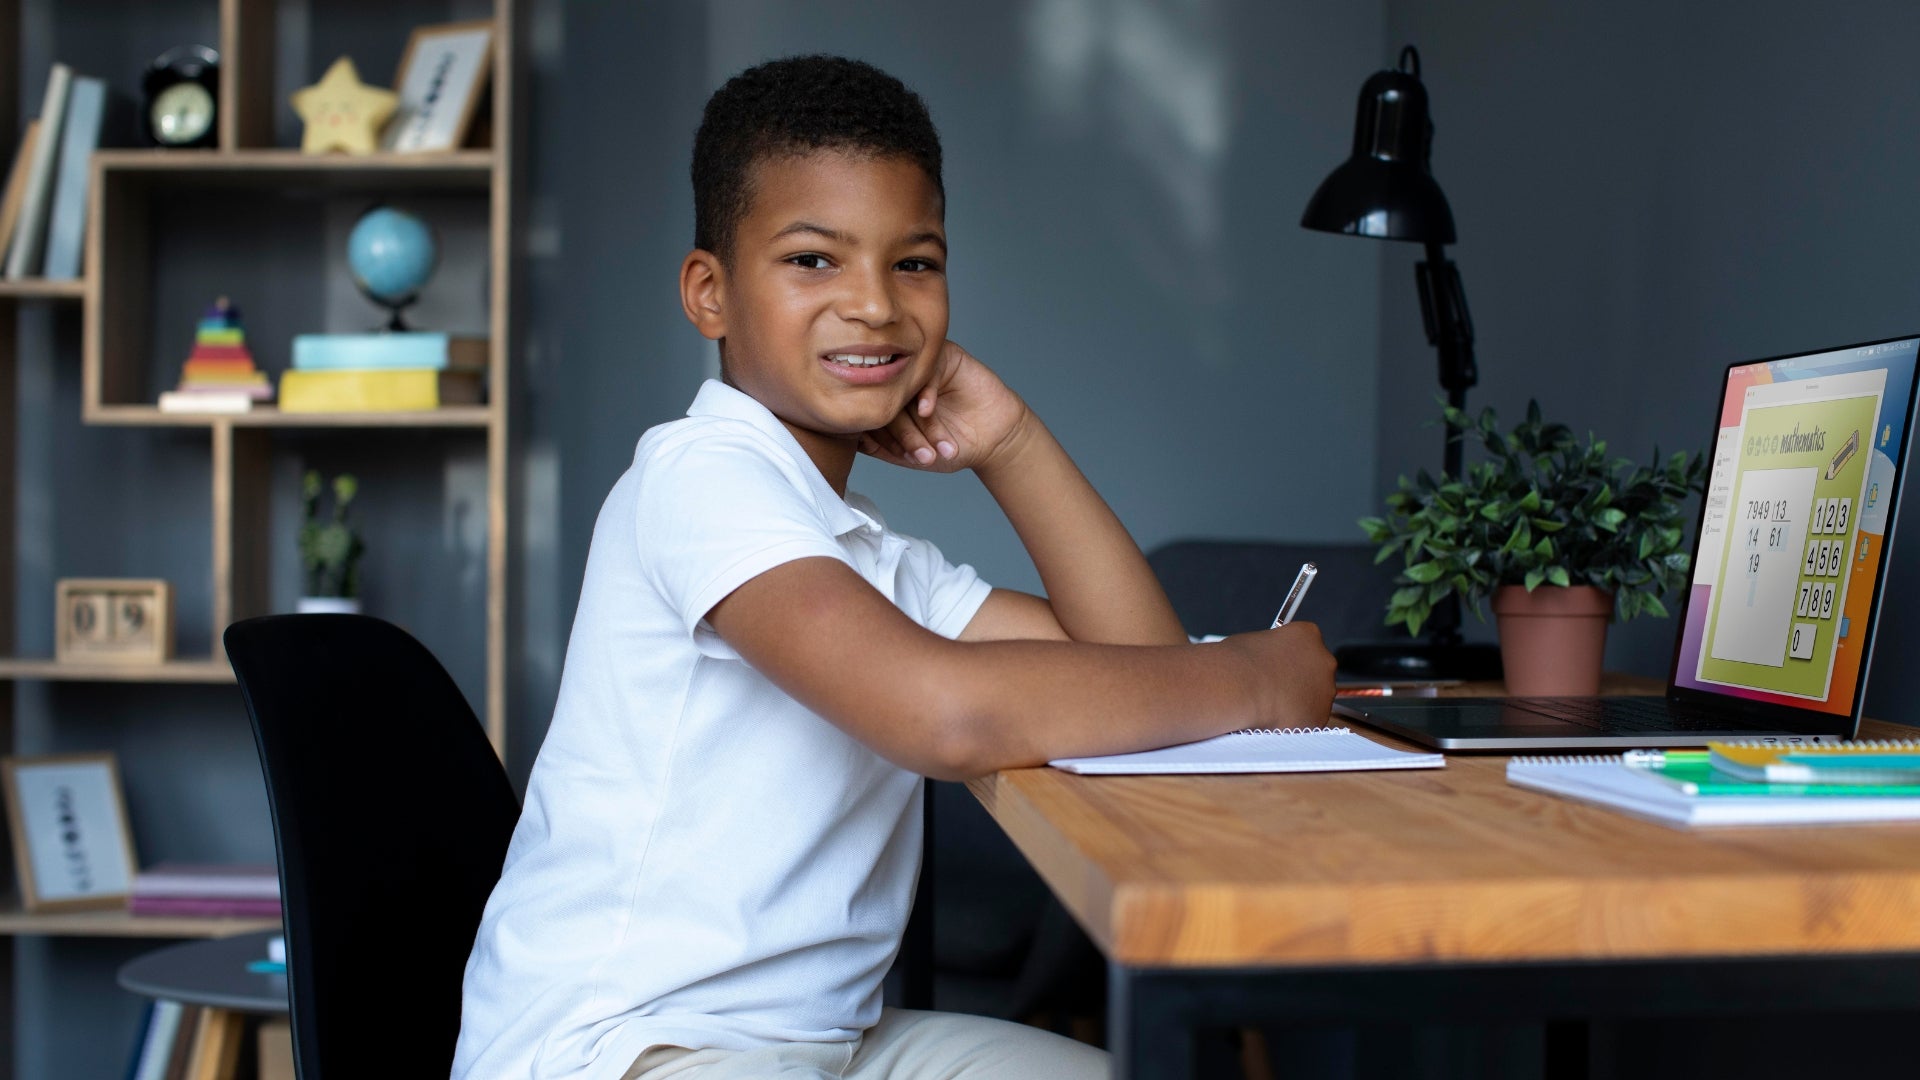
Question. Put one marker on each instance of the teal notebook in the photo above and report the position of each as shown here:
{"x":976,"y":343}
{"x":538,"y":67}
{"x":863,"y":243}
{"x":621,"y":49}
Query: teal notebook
{"x":1679,"y":787}
{"x":1692,"y":772}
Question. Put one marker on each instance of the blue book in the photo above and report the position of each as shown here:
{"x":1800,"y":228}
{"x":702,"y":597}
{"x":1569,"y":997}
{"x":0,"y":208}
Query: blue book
{"x":409,"y":350}
{"x":67,"y":223}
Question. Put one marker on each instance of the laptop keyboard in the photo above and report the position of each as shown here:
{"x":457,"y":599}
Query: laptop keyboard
{"x":1624,"y":714}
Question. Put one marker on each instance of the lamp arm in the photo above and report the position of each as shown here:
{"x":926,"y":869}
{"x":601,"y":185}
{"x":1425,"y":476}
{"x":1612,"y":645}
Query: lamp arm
{"x":1449,"y":325}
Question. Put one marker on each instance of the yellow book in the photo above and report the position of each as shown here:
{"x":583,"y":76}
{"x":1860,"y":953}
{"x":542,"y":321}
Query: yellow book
{"x":376,"y":391}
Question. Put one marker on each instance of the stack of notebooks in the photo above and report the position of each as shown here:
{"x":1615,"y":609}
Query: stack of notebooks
{"x":219,"y":376}
{"x":388,"y":372}
{"x":218,"y":891}
{"x":1740,"y":783}
{"x":43,"y":209}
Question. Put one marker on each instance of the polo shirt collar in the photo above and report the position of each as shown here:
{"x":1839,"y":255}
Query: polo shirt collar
{"x":718,"y":399}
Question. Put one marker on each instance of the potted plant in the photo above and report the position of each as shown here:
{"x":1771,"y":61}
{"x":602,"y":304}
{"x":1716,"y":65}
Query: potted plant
{"x":1561,"y":537}
{"x":329,"y":551}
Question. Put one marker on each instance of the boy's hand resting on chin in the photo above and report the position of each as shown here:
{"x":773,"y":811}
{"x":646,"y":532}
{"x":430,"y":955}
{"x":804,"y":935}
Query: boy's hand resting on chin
{"x":964,"y":417}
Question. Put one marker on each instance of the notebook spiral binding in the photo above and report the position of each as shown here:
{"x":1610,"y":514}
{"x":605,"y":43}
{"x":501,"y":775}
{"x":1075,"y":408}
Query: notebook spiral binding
{"x":1568,"y":759}
{"x":1864,"y":746}
{"x":1285,"y":730}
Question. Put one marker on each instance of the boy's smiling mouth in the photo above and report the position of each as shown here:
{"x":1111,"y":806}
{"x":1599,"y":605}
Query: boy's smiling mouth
{"x":865,"y":365}
{"x":863,"y":360}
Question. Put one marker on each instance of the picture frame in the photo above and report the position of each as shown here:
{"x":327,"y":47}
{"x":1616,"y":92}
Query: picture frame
{"x":113,"y":620}
{"x":443,"y":74}
{"x":72,"y":845}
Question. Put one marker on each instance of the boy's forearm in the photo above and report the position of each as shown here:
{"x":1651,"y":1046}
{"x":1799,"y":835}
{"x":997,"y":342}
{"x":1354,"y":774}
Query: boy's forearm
{"x":1026,"y":702}
{"x":1096,"y":580}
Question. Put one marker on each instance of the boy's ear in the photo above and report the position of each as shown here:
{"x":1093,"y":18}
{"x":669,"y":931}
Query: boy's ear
{"x":703,"y":293}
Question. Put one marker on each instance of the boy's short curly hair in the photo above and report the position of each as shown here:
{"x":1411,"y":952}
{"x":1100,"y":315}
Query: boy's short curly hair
{"x":794,"y":106}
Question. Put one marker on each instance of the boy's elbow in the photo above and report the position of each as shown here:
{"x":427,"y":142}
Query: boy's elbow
{"x":958,"y":745}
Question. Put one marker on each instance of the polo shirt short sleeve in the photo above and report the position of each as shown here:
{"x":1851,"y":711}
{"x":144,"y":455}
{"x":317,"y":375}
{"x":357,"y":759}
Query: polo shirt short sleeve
{"x":701,"y":861}
{"x":718,"y":510}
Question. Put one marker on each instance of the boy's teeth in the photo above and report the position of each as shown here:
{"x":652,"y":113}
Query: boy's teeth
{"x":858,"y":361}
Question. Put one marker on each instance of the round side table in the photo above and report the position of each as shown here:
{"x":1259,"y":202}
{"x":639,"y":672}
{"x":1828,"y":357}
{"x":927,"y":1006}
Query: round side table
{"x":213,"y":975}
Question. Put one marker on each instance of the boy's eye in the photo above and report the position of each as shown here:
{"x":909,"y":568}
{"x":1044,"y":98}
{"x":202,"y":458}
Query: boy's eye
{"x":918,"y":264}
{"x":808,"y":261}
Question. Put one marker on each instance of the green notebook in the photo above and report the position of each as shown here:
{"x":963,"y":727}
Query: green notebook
{"x":1691,"y":772}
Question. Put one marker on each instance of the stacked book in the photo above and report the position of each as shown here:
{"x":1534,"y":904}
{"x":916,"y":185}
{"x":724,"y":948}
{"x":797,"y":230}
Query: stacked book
{"x":385,"y":372}
{"x":1740,"y":783}
{"x":219,"y":375}
{"x":43,"y":209}
{"x":207,"y":891}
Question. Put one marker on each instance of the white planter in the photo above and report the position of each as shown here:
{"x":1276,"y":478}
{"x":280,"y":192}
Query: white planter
{"x":329,"y":605}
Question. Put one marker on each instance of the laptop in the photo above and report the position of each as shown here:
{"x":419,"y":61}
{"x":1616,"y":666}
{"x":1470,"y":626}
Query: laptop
{"x":1777,"y":626}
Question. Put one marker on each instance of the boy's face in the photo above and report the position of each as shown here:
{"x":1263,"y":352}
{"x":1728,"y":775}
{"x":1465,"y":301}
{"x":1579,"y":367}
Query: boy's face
{"x":839,"y":261}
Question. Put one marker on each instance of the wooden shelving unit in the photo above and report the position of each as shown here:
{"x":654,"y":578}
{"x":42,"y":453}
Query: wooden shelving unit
{"x":451,"y":416}
{"x":206,"y":669}
{"x":43,"y":290}
{"x":117,"y":923}
{"x":131,"y":191}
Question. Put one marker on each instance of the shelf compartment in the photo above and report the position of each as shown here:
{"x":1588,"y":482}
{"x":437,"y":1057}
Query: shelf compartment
{"x":118,"y":923}
{"x":196,"y":669}
{"x":451,"y":416}
{"x":42,"y":289}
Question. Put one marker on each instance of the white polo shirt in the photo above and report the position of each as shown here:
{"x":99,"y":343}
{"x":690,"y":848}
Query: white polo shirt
{"x":702,"y":861}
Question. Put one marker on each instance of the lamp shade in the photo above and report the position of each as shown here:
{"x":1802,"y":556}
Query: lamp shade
{"x":1386,"y":189}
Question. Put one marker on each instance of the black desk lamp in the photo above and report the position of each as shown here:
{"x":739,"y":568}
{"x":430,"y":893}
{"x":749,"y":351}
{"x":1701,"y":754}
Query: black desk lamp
{"x":1386,"y":190}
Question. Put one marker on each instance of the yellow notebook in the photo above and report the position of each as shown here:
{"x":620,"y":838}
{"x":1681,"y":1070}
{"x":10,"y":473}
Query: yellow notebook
{"x":1883,"y":762}
{"x":376,"y":391}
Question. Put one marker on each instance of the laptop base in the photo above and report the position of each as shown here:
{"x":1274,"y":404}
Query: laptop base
{"x":1502,"y":725}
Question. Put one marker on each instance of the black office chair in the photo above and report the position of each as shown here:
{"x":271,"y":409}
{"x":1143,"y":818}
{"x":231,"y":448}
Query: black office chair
{"x":391,"y":816}
{"x":1232,"y":586}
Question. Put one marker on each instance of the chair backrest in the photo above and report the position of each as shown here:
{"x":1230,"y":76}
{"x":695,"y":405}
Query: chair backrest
{"x":1232,"y":586}
{"x":391,"y":816}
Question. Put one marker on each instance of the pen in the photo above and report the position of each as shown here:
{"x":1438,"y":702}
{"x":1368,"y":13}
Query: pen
{"x":1291,"y":604}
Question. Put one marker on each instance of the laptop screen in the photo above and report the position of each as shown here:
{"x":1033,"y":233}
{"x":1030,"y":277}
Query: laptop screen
{"x":1794,"y":530}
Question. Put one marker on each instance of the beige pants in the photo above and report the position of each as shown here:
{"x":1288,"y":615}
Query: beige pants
{"x":904,"y":1045}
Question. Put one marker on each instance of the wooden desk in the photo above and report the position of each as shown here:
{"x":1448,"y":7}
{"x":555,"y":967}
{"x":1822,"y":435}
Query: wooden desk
{"x":1330,"y":897}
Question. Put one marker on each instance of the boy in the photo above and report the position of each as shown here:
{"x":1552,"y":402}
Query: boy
{"x":722,"y":830}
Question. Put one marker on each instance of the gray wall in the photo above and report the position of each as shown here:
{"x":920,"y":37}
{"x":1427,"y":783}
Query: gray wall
{"x":1123,"y":184}
{"x":1646,"y":192}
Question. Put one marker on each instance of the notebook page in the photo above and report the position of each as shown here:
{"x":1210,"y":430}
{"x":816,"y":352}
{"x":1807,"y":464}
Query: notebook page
{"x":1326,"y":749}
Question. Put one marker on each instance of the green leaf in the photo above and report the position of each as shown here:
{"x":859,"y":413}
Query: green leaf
{"x":1424,"y":572}
{"x":1534,"y":578}
{"x":1652,"y":604}
{"x":1558,"y":575}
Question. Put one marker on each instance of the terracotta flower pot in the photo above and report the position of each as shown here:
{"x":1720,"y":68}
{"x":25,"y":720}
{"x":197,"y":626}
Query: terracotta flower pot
{"x":1552,"y":639}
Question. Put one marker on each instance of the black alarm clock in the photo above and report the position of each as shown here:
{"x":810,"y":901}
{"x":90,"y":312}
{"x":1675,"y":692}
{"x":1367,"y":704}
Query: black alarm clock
{"x":181,"y":98}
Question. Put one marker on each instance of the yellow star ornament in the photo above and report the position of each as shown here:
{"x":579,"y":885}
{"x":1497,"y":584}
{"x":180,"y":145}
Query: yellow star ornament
{"x":343,"y":113}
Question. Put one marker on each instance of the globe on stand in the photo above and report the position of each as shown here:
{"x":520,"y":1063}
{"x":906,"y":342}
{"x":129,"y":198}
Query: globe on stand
{"x":391,"y":254}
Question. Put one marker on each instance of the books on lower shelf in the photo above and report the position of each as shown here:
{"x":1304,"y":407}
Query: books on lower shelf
{"x":1268,"y":750}
{"x":1681,"y":788}
{"x":232,"y":891}
{"x":384,"y":372}
{"x":377,"y":391}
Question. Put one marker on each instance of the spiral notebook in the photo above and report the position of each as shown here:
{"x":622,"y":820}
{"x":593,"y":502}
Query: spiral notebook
{"x":1258,"y":750}
{"x":1883,"y":761}
{"x":1671,"y":789}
